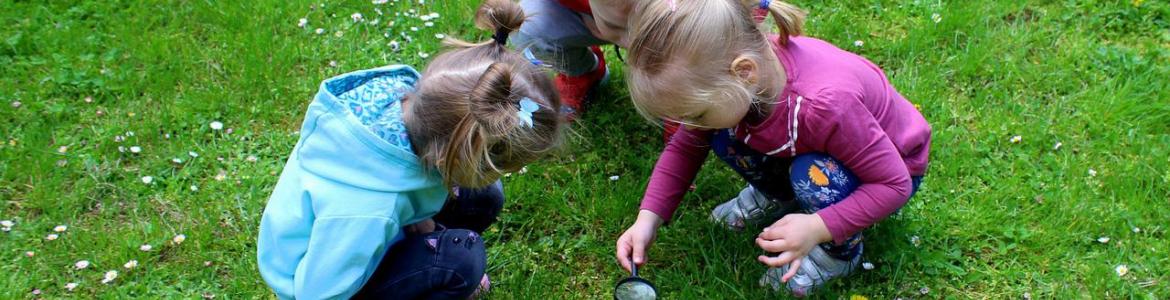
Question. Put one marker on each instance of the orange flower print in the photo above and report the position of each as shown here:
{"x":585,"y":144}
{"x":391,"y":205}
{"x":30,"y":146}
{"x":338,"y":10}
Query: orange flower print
{"x":818,"y":176}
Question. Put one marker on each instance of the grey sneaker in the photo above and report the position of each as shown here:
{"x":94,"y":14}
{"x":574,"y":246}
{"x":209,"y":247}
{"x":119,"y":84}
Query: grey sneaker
{"x":751,"y":207}
{"x":815,"y":270}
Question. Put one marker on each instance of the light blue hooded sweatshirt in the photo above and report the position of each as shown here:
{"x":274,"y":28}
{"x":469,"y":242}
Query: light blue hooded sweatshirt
{"x":349,"y":186}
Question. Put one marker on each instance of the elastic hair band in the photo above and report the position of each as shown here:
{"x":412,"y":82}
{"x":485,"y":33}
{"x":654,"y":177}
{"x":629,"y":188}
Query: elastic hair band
{"x":501,"y":36}
{"x":764,"y":4}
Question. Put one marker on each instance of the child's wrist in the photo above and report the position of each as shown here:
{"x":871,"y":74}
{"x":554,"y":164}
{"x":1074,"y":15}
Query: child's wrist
{"x":649,"y":217}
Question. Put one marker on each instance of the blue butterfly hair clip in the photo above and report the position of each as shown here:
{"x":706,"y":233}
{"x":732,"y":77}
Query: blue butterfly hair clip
{"x":527,"y":107}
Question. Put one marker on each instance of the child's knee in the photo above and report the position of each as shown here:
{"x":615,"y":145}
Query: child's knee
{"x":463,"y":252}
{"x":819,"y":180}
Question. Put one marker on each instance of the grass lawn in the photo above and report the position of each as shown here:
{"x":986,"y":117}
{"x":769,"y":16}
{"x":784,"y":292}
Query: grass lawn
{"x":107,"y":113}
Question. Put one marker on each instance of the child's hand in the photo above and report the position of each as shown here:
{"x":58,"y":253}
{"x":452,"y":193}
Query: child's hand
{"x":792,"y":236}
{"x":637,"y":239}
{"x":422,"y":227}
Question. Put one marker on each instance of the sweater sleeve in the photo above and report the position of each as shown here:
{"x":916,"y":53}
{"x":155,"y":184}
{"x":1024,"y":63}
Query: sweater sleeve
{"x":675,"y":170}
{"x":851,"y":134}
{"x":343,"y":252}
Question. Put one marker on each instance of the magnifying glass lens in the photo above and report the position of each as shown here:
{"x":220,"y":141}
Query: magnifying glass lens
{"x":635,"y":290}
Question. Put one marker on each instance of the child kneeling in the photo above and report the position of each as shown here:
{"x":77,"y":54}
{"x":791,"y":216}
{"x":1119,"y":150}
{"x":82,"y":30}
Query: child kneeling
{"x":382,"y":150}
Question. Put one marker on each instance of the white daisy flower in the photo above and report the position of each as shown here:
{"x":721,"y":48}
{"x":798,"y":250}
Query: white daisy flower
{"x":145,"y":247}
{"x":192,"y":154}
{"x":1017,"y":139}
{"x":858,"y":43}
{"x":194,"y":188}
{"x":936,"y":18}
{"x":423,"y":54}
{"x":1057,"y":146}
{"x":1121,"y":270}
{"x":177,"y":160}
{"x":614,"y":178}
{"x":30,"y":253}
{"x":216,"y":125}
{"x":867,"y":265}
{"x":319,"y":31}
{"x":1092,"y":173}
{"x":429,"y":24}
{"x":251,"y":158}
{"x":1103,"y":240}
{"x":60,"y":228}
{"x":81,"y":264}
{"x":51,"y":236}
{"x":381,"y":1}
{"x":356,"y":17}
{"x":16,"y":104}
{"x":302,"y":22}
{"x":147,"y":179}
{"x":178,"y":239}
{"x":135,"y":149}
{"x":70,"y":286}
{"x":110,"y":276}
{"x":7,"y":223}
{"x":440,"y":36}
{"x":62,"y":149}
{"x":130,"y":264}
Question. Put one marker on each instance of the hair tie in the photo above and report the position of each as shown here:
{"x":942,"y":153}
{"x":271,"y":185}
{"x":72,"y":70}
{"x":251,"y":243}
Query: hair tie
{"x":761,"y":12}
{"x":501,"y":36}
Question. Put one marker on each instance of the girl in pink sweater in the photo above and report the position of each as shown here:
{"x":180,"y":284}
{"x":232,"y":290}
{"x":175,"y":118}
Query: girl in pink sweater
{"x":819,"y":134}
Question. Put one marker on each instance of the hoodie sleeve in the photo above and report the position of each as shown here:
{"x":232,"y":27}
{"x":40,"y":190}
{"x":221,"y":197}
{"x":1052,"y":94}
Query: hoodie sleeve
{"x":342,"y":253}
{"x":853,"y":136}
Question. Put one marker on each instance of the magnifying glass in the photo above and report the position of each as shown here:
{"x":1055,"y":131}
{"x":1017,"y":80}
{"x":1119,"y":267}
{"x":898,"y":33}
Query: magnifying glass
{"x":634,"y":287}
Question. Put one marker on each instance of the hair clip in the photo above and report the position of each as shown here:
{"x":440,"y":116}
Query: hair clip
{"x":527,"y":107}
{"x":532,"y":57}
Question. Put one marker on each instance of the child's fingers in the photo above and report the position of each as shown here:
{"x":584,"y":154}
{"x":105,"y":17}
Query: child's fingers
{"x":791,"y":271}
{"x":774,"y":232}
{"x":639,"y":253}
{"x":774,"y":246}
{"x":623,"y":254}
{"x":779,"y":260}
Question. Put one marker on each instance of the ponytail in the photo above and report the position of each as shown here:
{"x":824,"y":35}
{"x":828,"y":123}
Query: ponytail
{"x":472,"y":123}
{"x":789,"y":18}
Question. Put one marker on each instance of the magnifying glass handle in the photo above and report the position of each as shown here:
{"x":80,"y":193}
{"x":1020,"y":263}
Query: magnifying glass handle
{"x":633,"y":267}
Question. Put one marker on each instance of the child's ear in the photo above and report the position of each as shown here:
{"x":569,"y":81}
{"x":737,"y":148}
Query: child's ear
{"x":745,"y":69}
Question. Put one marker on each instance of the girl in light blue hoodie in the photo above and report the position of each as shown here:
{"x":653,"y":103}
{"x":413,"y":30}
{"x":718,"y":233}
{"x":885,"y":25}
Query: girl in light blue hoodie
{"x":382,"y":150}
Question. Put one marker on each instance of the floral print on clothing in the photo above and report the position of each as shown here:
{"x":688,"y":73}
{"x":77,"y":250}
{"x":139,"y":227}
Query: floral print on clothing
{"x":376,"y":102}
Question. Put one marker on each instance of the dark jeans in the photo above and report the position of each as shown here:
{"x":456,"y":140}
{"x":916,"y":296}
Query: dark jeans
{"x":814,"y":180}
{"x":447,"y":263}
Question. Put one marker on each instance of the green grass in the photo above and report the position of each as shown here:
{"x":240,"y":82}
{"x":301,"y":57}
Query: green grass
{"x":995,"y":219}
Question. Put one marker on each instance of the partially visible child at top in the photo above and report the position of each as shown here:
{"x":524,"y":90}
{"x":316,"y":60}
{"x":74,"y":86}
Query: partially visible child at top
{"x":819,"y":134}
{"x":567,"y":35}
{"x":382,"y":150}
{"x":562,"y":34}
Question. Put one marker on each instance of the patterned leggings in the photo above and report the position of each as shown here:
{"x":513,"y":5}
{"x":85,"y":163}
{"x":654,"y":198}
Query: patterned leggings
{"x":814,"y":180}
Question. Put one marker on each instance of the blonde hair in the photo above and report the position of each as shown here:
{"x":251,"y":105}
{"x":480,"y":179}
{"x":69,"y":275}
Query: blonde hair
{"x":681,"y":53}
{"x":465,"y":119}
